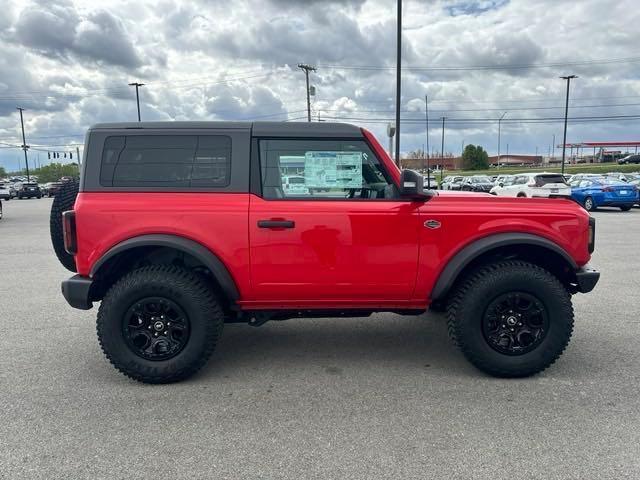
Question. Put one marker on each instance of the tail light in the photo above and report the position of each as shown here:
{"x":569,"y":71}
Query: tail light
{"x":69,"y":232}
{"x":608,"y":189}
{"x":592,"y":234}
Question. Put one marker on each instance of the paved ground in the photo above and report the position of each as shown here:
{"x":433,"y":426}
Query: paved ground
{"x":385,"y":397}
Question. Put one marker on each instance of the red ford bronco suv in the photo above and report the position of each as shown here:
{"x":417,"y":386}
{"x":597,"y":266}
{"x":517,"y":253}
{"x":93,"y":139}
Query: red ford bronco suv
{"x":178,"y":228}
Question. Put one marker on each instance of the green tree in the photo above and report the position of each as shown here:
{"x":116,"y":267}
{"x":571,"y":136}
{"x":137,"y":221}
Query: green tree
{"x":53,"y":172}
{"x":475,"y":158}
{"x":3,"y":172}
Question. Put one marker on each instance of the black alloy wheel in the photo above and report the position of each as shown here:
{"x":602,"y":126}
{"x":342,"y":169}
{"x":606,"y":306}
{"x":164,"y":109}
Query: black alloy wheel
{"x":155,"y":328}
{"x":515,"y":323}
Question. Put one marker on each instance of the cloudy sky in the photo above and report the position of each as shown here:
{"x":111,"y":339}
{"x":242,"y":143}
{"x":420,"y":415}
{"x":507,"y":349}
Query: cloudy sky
{"x":68,"y":63}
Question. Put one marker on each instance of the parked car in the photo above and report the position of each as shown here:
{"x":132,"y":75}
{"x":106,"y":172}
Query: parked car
{"x":236,"y":247}
{"x":621,"y":177}
{"x":5,"y":193}
{"x":635,"y":158}
{"x":476,"y":183}
{"x":431,"y":182}
{"x":452,"y":182}
{"x":504,"y":181}
{"x":634,"y":179}
{"x":535,"y":185}
{"x":51,"y":188}
{"x":604,"y":192}
{"x":27,"y":190}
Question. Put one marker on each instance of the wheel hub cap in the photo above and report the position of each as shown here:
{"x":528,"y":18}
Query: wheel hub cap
{"x":155,"y":328}
{"x":515,"y":323}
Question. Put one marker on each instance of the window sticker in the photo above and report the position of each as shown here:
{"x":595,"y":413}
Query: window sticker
{"x":333,"y":169}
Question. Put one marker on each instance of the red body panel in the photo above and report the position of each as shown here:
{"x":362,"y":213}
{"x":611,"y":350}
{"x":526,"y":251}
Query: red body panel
{"x":341,"y":254}
{"x":216,"y":220}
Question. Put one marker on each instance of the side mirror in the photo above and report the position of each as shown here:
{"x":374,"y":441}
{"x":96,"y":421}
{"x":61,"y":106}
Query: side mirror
{"x":412,"y":185}
{"x":501,"y":184}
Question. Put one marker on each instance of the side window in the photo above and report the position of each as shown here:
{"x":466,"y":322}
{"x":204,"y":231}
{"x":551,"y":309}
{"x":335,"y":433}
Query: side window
{"x":520,"y":180}
{"x":332,"y":169}
{"x":166,"y":161}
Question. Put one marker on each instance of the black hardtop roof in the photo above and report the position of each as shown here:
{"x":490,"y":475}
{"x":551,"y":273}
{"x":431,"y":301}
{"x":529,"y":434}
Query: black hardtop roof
{"x":263,"y":129}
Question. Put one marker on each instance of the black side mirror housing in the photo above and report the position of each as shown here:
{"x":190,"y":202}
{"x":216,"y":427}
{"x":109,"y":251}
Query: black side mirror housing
{"x":412,"y":185}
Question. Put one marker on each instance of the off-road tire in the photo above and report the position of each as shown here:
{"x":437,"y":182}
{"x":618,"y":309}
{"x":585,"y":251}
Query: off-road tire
{"x":62,"y":202}
{"x":470,"y":299}
{"x":185,"y":288}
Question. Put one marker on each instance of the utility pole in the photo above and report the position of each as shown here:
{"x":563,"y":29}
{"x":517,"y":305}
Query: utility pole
{"x":398,"y":78}
{"x":553,"y":151}
{"x":442,"y":146}
{"x":78,"y":156}
{"x":25,"y":147}
{"x":137,"y":85}
{"x":566,"y":114}
{"x":426,"y":152}
{"x":499,"y":122}
{"x":306,"y":69}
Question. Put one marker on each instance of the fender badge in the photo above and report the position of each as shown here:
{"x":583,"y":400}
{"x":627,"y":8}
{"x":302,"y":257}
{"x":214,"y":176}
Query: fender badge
{"x":432,"y":224}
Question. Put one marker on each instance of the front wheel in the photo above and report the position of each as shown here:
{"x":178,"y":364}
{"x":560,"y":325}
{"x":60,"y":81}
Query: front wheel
{"x":159,"y":324}
{"x":511,"y":319}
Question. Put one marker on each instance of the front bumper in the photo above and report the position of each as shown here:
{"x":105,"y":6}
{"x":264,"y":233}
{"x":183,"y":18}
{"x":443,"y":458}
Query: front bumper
{"x":586,"y":278}
{"x":76,"y":292}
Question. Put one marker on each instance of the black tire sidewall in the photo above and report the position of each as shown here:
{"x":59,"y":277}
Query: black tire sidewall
{"x":536,"y":282}
{"x":136,"y":286}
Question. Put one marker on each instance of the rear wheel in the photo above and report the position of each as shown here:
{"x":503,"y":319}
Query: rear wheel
{"x":159,"y":324}
{"x":625,"y":208}
{"x":589,"y":205}
{"x":522,"y":195}
{"x":511,"y":319}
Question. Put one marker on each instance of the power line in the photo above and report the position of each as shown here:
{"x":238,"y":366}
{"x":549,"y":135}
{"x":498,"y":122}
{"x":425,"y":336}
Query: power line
{"x":515,"y":66}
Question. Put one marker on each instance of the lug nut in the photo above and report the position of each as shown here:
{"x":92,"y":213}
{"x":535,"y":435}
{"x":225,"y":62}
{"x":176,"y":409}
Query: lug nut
{"x":166,"y":333}
{"x":168,"y":323}
{"x":155,"y":334}
{"x":149,"y":327}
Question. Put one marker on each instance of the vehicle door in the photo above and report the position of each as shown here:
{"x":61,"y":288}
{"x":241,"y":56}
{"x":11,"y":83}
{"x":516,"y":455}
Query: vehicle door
{"x":349,"y":236}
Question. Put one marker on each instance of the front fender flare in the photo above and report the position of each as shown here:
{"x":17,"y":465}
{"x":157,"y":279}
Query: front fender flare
{"x":464,"y":257}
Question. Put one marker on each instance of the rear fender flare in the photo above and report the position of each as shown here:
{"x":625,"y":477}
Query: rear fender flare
{"x":195,"y":249}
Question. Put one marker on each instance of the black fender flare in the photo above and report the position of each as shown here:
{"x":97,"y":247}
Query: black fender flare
{"x":195,"y":249}
{"x":464,"y":257}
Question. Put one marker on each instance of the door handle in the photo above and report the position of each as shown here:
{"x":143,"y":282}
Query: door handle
{"x":276,"y":223}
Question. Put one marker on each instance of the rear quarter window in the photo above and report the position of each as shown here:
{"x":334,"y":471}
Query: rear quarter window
{"x":172,"y":161}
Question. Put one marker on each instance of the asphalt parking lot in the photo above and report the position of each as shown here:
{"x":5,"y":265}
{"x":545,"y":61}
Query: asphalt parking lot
{"x":383,"y":397}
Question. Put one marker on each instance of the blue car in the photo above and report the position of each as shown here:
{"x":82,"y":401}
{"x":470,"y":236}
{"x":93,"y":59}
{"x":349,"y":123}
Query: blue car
{"x":594,"y":192}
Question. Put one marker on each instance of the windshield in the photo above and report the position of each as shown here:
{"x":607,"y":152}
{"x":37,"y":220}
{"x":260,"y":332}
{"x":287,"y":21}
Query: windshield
{"x":480,"y":180}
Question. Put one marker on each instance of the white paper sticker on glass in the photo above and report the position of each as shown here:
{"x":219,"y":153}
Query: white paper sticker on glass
{"x":333,"y":169}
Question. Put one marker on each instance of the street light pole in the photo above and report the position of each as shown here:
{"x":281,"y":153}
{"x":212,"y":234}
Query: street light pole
{"x":566,"y":114}
{"x":426,"y":152}
{"x":442,"y":146}
{"x":25,"y":147}
{"x":499,"y":122}
{"x":137,"y":85}
{"x":398,"y":78}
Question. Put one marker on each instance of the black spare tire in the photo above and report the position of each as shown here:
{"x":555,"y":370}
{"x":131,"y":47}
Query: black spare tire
{"x":63,"y":201}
